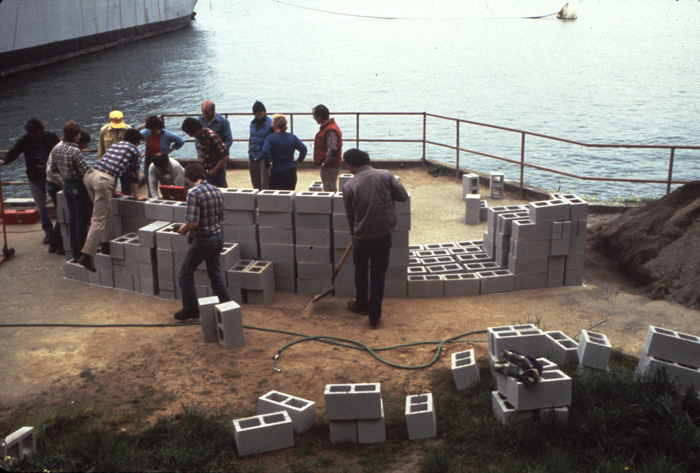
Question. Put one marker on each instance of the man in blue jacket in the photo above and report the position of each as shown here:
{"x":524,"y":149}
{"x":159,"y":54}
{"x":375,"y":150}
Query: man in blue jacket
{"x":259,"y":129}
{"x":36,"y":145}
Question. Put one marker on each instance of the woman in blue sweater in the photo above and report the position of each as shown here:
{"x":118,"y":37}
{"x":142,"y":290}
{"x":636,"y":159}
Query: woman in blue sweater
{"x":278,"y":153}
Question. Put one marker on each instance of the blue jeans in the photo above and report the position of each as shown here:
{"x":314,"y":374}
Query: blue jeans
{"x":218,"y":179}
{"x":38,"y":190}
{"x":79,"y":214}
{"x":203,"y":248}
{"x":371,"y":257}
{"x":56,"y":239}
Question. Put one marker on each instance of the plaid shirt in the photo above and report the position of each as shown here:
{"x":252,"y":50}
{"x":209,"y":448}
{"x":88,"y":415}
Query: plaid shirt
{"x":211,"y":148}
{"x":67,"y":160}
{"x":205,"y":204}
{"x":120,"y":158}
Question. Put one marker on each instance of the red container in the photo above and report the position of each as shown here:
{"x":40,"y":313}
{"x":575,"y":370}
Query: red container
{"x":21,"y":217}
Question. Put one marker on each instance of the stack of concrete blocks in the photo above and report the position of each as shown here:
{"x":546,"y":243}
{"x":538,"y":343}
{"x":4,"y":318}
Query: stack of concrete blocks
{"x":313,"y":213}
{"x":276,"y":233}
{"x":316,"y":186}
{"x":355,"y":413}
{"x":62,"y":219}
{"x":229,"y":324}
{"x":344,"y":284}
{"x":301,"y":411}
{"x":420,"y":416}
{"x":240,"y":223}
{"x":19,"y":444}
{"x":497,"y":185}
{"x":548,"y":400}
{"x":499,"y":230}
{"x":396,"y":284}
{"x":148,"y":254}
{"x":263,"y":433}
{"x":594,"y":350}
{"x":470,"y":185}
{"x":342,"y":179}
{"x":676,"y":353}
{"x":464,"y":369}
{"x":251,"y":281}
{"x":128,"y":215}
{"x":171,"y":248}
{"x":123,"y":251}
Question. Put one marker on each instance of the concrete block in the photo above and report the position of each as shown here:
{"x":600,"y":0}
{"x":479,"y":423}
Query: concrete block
{"x":526,"y":339}
{"x":525,"y":264}
{"x":168,"y":238}
{"x":312,"y":286}
{"x":472,"y":209}
{"x":470,"y":184}
{"x":577,"y":245}
{"x":312,"y":221}
{"x":144,"y":254}
{"x":464,"y":369}
{"x":397,"y":257}
{"x":444,"y":268}
{"x":530,"y":249}
{"x":579,"y":207}
{"x":685,"y":377}
{"x":393,"y":272}
{"x":549,"y":210}
{"x":669,"y":345}
{"x":497,"y":185}
{"x":277,"y":252}
{"x":249,"y":249}
{"x":229,"y":324}
{"x":416,"y":270}
{"x":284,"y":269}
{"x":242,"y":233}
{"x":131,"y":247}
{"x":341,"y":239}
{"x":343,"y":431}
{"x":106,"y":278}
{"x":498,"y":280}
{"x":403,"y":222}
{"x":552,"y":390}
{"x":276,"y":236}
{"x":235,"y":273}
{"x":157,"y":209}
{"x":462,"y":284}
{"x":555,"y":270}
{"x":428,"y":285}
{"x":116,"y":247}
{"x":313,"y":203}
{"x":286,"y":285}
{"x":420,"y":416}
{"x":275,"y":201}
{"x":403,"y":208}
{"x":301,"y":411}
{"x":391,"y":289}
{"x":563,"y":350}
{"x":340,"y":222}
{"x":506,"y":413}
{"x":260,"y":296}
{"x":230,"y":255}
{"x":207,"y":315}
{"x":276,"y":219}
{"x":492,"y":212}
{"x":147,"y":234}
{"x":132,"y":208}
{"x":310,"y":237}
{"x":166,"y":294}
{"x":75,"y":272}
{"x":554,"y":415}
{"x":573,"y":277}
{"x":20,"y":444}
{"x":240,"y":217}
{"x":164,"y":258}
{"x":504,"y":221}
{"x":313,"y":254}
{"x":527,"y":230}
{"x":353,"y":401}
{"x":263,"y":433}
{"x":322,"y":271}
{"x":559,"y":247}
{"x":240,"y":199}
{"x":399,"y":239}
{"x":258,"y":275}
{"x":574,"y":261}
{"x":337,"y":203}
{"x":342,"y":179}
{"x":180,"y":212}
{"x":103,"y":262}
{"x":594,"y":350}
{"x":372,"y":430}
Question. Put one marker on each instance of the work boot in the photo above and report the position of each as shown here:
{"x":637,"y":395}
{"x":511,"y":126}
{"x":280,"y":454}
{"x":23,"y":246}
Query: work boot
{"x":353,"y":306}
{"x":374,"y":324}
{"x":60,"y":252}
{"x":85,"y":260}
{"x":183,"y":314}
{"x":46,"y":240}
{"x":104,"y":248}
{"x":52,"y":249}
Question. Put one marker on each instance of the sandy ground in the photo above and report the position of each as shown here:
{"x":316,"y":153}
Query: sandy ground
{"x":156,"y":370}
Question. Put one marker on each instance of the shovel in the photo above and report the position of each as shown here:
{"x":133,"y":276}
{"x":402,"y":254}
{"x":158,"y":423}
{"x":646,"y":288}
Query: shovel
{"x":7,"y":253}
{"x":331,"y":288}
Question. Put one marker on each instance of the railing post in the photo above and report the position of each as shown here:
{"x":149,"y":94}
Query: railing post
{"x":424,"y":128}
{"x":457,"y":153}
{"x":522,"y":162}
{"x":357,"y":130}
{"x":291,"y":123}
{"x":670,"y":171}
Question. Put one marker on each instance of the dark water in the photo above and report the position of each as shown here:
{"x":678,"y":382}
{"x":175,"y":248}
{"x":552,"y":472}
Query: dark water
{"x":624,"y":72}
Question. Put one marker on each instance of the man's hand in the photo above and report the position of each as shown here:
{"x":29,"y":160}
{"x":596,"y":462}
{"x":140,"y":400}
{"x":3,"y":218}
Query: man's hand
{"x":140,"y":197}
{"x":2,"y":162}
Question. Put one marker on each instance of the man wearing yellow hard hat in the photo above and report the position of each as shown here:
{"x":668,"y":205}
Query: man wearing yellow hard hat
{"x":111,"y":133}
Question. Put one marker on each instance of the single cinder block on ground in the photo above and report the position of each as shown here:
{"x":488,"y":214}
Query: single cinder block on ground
{"x":464,"y":369}
{"x":470,"y":184}
{"x":505,"y":412}
{"x":19,"y":444}
{"x":685,"y":377}
{"x":263,"y":433}
{"x":472,"y":209}
{"x":594,"y":350}
{"x":260,"y":296}
{"x":353,"y":401}
{"x":300,"y":410}
{"x":672,"y":346}
{"x":229,"y":324}
{"x":207,"y":315}
{"x":372,"y":430}
{"x":259,"y":275}
{"x":562,"y":349}
{"x":343,"y":431}
{"x":552,"y":390}
{"x":497,"y":185}
{"x":420,"y":417}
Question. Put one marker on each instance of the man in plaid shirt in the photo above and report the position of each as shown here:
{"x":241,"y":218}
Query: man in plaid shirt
{"x":205,"y":211}
{"x":101,"y":182}
{"x":213,"y":153}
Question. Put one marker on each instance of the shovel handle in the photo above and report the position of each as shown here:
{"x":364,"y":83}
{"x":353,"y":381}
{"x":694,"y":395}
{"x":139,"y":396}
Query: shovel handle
{"x":342,"y":260}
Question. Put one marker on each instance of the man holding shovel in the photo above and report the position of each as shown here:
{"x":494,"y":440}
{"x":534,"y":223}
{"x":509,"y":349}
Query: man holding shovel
{"x":369,"y":204}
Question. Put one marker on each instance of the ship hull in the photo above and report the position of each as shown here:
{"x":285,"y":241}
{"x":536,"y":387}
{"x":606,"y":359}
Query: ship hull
{"x":36,"y":33}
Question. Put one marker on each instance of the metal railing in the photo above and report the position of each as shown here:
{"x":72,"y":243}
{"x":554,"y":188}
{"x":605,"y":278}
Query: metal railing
{"x":421,"y":129}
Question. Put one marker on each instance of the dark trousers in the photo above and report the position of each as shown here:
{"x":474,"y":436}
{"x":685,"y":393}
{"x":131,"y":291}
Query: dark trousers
{"x":56,"y":240}
{"x":218,"y":179}
{"x":203,"y":248}
{"x":371,"y":258}
{"x":79,"y":214}
{"x":284,"y":181}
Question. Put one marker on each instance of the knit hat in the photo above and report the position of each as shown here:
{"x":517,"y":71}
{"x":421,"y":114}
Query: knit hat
{"x":259,"y":107}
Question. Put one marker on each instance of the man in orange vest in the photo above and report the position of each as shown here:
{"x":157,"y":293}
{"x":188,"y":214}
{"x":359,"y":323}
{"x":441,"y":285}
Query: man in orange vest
{"x":328,"y":148}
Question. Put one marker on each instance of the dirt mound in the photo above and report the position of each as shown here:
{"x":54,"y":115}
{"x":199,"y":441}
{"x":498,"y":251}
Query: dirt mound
{"x":658,"y":245}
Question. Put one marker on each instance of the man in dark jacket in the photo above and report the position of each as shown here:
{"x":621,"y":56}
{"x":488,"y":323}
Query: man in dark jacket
{"x":36,"y":145}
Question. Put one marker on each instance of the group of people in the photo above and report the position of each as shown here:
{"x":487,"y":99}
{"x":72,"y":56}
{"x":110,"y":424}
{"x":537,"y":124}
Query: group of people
{"x":54,"y":164}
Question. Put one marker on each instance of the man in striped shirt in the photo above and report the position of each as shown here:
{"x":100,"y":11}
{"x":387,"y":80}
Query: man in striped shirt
{"x":121,"y":158}
{"x":213,"y":153}
{"x":205,"y":211}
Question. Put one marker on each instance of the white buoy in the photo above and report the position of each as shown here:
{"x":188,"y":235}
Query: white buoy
{"x":567,"y":12}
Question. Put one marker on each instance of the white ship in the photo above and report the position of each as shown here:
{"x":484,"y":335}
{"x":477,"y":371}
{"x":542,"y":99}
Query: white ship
{"x":38,"y":32}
